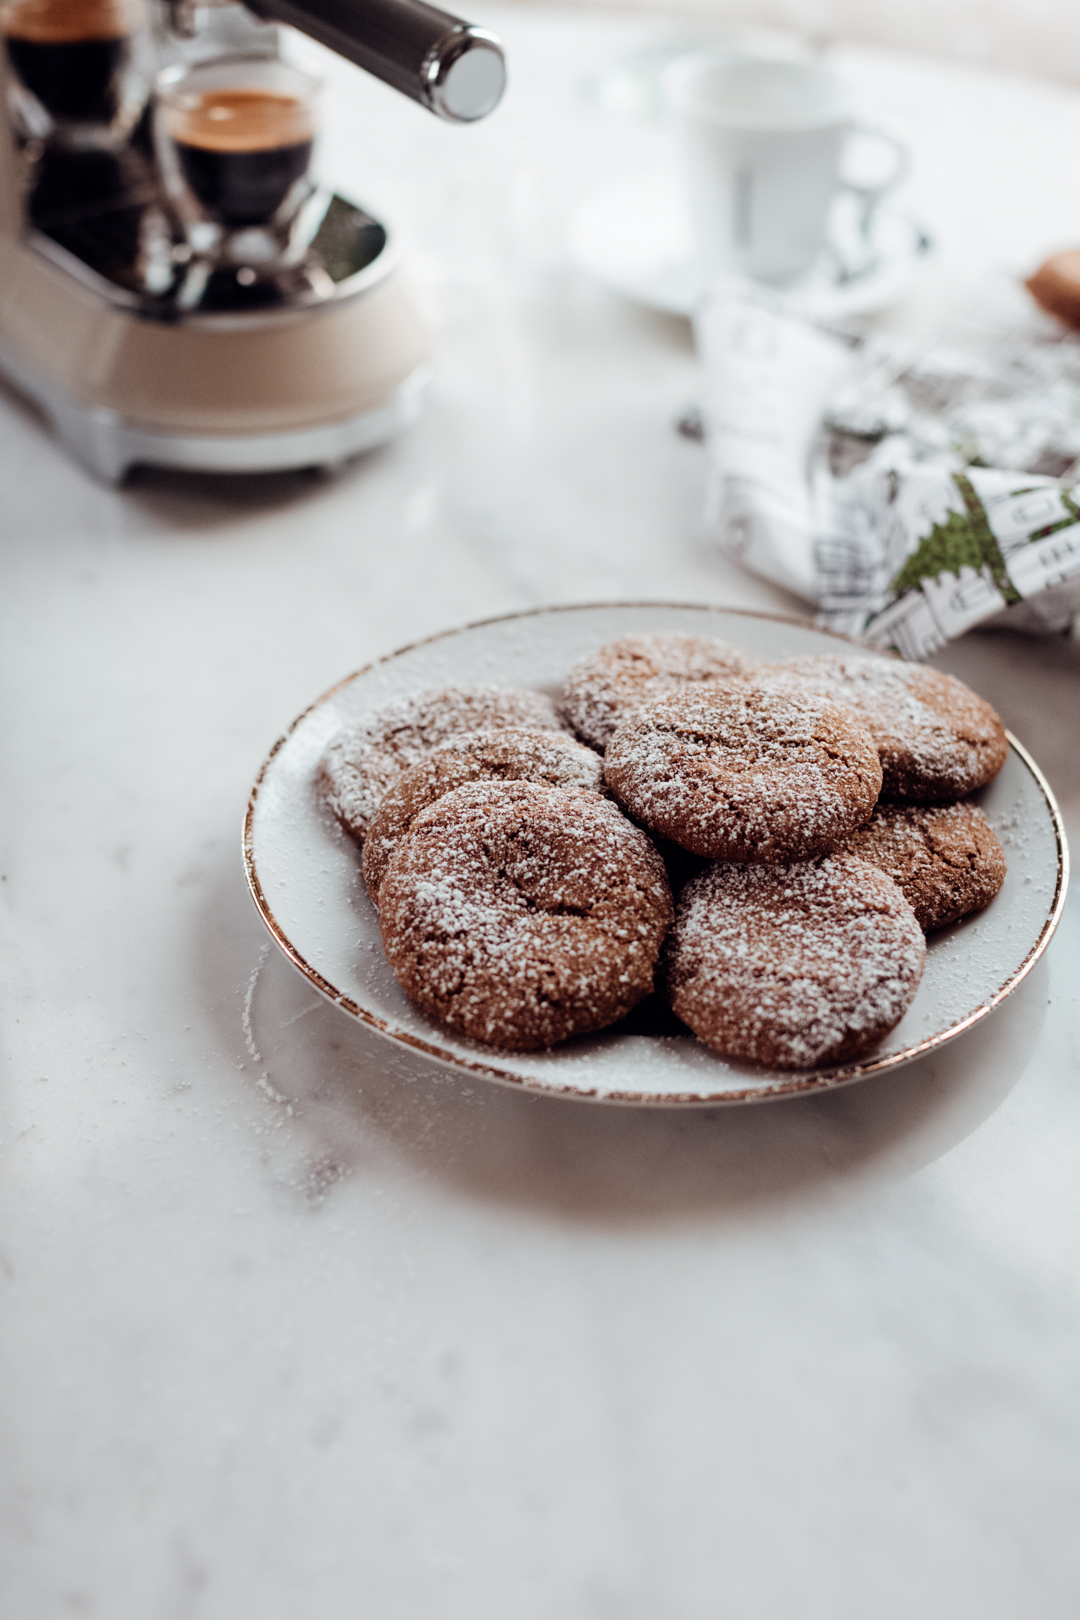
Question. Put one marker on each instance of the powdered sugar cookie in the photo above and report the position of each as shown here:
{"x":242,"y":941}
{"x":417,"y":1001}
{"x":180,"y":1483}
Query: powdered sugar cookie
{"x":520,"y":914}
{"x":946,"y":858}
{"x":740,"y":772}
{"x":797,"y":966}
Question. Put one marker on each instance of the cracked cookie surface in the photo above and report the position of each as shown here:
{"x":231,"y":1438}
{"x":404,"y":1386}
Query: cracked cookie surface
{"x":553,"y":757}
{"x":740,"y":772}
{"x":520,"y":914}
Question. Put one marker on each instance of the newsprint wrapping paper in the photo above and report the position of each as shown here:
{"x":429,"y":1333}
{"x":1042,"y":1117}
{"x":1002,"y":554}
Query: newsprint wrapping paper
{"x":909,"y":494}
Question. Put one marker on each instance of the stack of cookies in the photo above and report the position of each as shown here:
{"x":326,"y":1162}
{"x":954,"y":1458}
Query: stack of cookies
{"x":810,"y":818}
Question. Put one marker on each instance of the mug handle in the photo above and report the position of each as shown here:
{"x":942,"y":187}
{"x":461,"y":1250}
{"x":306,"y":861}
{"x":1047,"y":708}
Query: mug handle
{"x":870,"y":195}
{"x":867,"y":197}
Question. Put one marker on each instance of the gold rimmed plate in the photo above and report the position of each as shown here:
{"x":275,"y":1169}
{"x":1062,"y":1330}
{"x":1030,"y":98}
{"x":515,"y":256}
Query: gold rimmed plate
{"x":304,"y":875}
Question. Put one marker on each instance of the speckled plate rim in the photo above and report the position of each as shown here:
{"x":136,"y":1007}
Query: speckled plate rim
{"x":800,"y":1085}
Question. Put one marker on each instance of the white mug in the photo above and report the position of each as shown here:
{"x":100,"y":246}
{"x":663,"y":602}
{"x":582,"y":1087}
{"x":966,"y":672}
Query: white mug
{"x":762,"y":145}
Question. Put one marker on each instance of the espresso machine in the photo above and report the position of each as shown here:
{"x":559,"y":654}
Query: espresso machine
{"x":180,"y":292}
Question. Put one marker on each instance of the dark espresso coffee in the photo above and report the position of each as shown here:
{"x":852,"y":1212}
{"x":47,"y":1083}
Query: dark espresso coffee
{"x":241,"y":151}
{"x":72,"y":55}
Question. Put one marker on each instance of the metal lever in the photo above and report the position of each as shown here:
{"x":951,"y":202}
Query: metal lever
{"x":454,"y":69}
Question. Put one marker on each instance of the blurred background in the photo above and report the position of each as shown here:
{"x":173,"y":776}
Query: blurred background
{"x":1041,"y":37}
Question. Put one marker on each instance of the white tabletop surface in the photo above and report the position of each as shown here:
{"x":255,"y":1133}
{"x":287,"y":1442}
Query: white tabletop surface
{"x":294,"y":1326}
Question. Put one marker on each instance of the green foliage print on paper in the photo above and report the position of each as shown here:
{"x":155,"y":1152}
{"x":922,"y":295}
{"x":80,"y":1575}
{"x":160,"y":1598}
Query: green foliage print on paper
{"x":1068,"y":501}
{"x":964,"y":540}
{"x":949,"y":546}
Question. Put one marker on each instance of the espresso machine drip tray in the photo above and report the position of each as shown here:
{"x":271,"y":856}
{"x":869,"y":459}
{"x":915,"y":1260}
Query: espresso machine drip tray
{"x":102,"y":215}
{"x":346,"y":242}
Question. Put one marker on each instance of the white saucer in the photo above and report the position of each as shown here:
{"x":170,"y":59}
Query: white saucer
{"x":634,"y":236}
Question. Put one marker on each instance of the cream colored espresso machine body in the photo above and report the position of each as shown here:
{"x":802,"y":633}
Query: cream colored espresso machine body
{"x":333,"y":361}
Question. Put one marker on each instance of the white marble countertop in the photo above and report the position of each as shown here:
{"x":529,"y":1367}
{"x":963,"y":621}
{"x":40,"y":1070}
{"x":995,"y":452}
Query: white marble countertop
{"x":288,"y":1330}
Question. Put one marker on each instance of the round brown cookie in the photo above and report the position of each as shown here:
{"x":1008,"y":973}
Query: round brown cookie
{"x":946,"y":858}
{"x":367,"y":757}
{"x":520,"y":914}
{"x":606,"y":685}
{"x":936,"y":739}
{"x":1056,"y":286}
{"x":739,"y":772}
{"x":509,"y":756}
{"x":794,"y":967}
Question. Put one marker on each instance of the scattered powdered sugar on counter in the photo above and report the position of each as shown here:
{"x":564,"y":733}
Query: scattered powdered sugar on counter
{"x":263,"y":1081}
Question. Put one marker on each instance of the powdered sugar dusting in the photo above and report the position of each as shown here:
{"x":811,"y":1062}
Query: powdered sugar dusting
{"x":797,"y":965}
{"x":367,"y":758}
{"x":741,"y":772}
{"x":539,"y":756}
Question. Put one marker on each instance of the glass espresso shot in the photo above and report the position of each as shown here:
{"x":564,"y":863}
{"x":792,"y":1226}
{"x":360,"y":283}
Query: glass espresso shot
{"x":74,"y":56}
{"x":242,"y":147}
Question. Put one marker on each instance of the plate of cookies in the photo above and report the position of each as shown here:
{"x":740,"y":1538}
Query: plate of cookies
{"x":649,"y":853}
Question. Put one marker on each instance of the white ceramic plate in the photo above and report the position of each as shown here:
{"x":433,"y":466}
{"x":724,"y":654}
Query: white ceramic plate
{"x":304,"y":874}
{"x":634,"y":237}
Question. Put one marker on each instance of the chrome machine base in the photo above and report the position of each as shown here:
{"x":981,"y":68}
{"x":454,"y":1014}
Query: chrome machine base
{"x":110,"y":446}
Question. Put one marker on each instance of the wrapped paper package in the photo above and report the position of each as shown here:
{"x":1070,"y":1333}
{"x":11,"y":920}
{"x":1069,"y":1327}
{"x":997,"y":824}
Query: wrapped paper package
{"x":908,"y":495}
